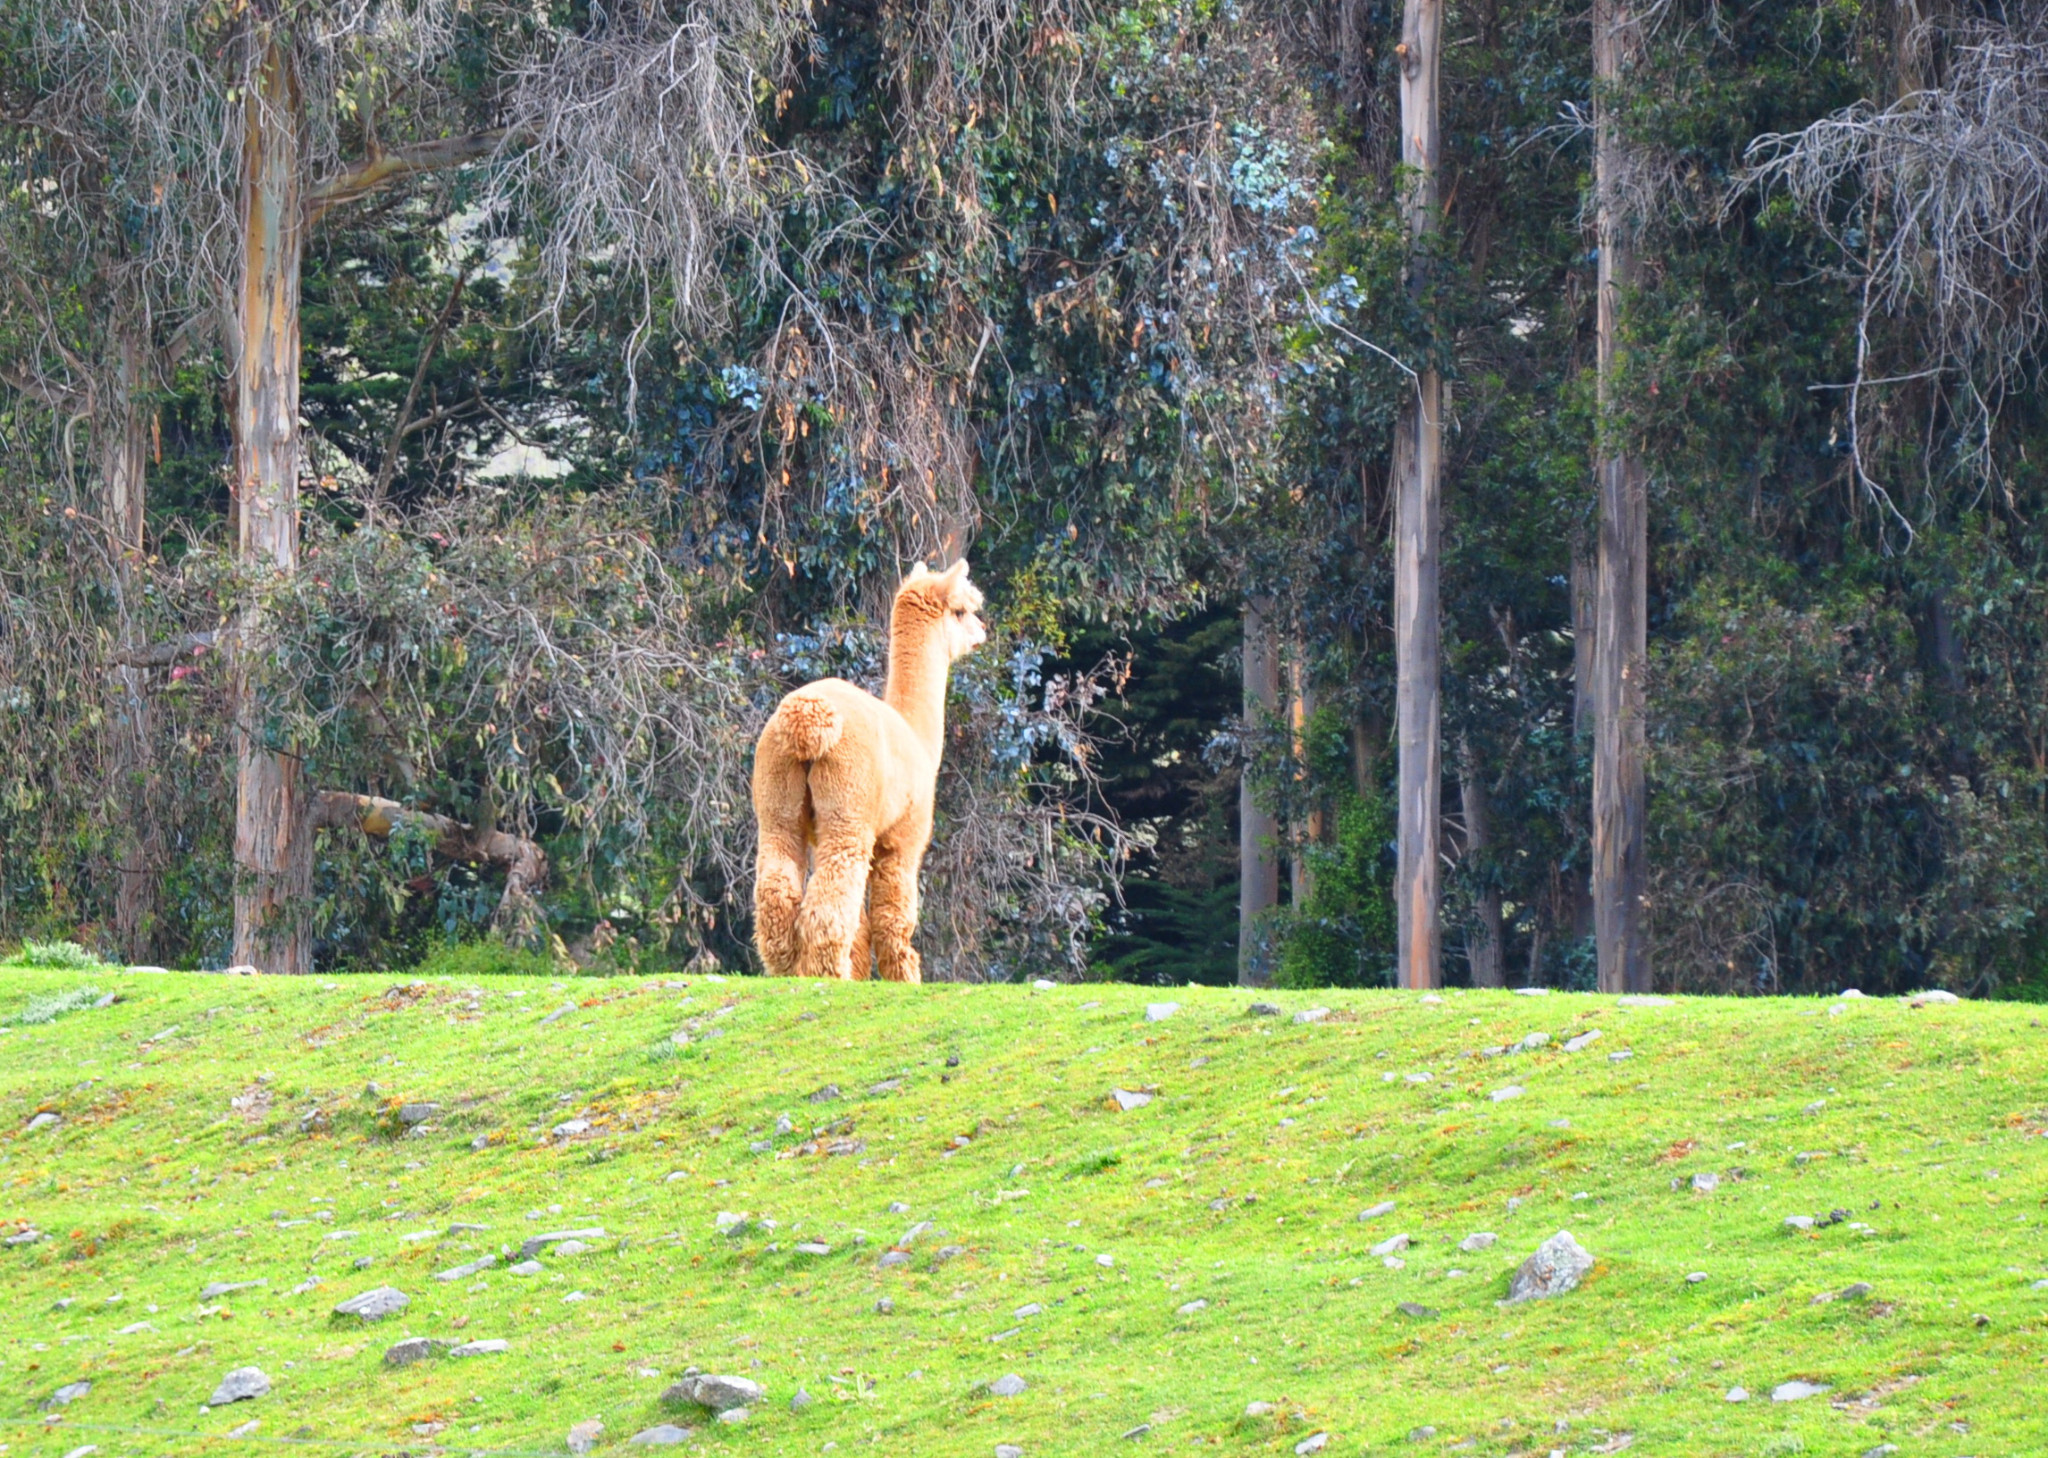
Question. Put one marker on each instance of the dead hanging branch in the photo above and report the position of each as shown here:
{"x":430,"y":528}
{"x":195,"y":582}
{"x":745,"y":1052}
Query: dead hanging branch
{"x":643,"y":148}
{"x":1940,"y":204}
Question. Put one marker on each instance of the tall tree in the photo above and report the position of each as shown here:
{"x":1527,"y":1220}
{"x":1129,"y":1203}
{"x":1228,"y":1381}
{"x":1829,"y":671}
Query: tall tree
{"x":1258,"y":860}
{"x":1418,"y":466}
{"x":1621,"y":567}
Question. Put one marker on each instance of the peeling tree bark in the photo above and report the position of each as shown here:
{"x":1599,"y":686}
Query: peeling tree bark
{"x":1621,"y":572}
{"x":273,"y":836}
{"x":1258,"y":886}
{"x":1418,"y":466}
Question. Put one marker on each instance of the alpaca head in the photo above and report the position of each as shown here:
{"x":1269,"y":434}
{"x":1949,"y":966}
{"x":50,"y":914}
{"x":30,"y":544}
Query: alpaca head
{"x":945,"y":602}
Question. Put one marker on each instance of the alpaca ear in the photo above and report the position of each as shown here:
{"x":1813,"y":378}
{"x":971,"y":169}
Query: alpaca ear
{"x":917,"y":571}
{"x":956,"y":574}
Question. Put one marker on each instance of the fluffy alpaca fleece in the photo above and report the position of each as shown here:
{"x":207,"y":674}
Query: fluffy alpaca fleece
{"x":844,"y":780}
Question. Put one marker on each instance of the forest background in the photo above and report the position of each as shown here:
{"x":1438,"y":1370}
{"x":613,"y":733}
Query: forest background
{"x":637,"y":349}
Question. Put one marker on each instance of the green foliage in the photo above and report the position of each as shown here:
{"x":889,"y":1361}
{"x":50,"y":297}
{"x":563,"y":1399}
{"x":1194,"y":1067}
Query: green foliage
{"x":51,"y":1006}
{"x":1344,"y":935}
{"x":460,"y":961}
{"x":57,"y":954}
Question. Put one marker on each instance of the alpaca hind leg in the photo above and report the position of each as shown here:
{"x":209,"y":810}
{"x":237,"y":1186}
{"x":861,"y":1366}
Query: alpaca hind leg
{"x":892,"y":911}
{"x":862,"y":956}
{"x":831,"y":913}
{"x":778,"y":896}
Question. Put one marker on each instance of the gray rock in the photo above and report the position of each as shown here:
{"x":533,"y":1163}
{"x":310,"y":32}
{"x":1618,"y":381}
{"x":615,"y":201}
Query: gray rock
{"x":1008,"y":1385}
{"x":719,"y":1393}
{"x":1882,"y":1450}
{"x":1385,"y":1207}
{"x":570,"y":1128}
{"x":733,"y":1415}
{"x":136,"y":1329}
{"x":1313,"y":1443}
{"x":1009,"y":1450}
{"x":1641,"y":999}
{"x":1705,"y":1182}
{"x":1502,"y":1095}
{"x":570,"y":1248}
{"x":1695,"y":1278}
{"x":1258,"y":1409}
{"x":1558,"y":1266}
{"x":1814,"y":1108}
{"x":1932,"y":997}
{"x":1621,"y":1055}
{"x":583,"y":1437}
{"x":239,"y":1385}
{"x":2040,"y":1286}
{"x":824,"y":1095}
{"x":415,"y":1349}
{"x":222,"y":1288}
{"x":410,"y":1114}
{"x":800,"y":1400}
{"x":946,"y":1252}
{"x":1311,"y":1015}
{"x":463,"y":1272}
{"x":1159,"y":1012}
{"x":69,"y":1393}
{"x":885,"y":1307}
{"x":1128,"y":1099}
{"x":886,"y":1086}
{"x":534,"y":1244}
{"x":1029,"y":1308}
{"x":662,"y":1435}
{"x":813,"y":1248}
{"x":374,"y":1304}
{"x":459,"y":1228}
{"x":1799,"y":1222}
{"x":1189,"y":1308}
{"x":306,"y":1285}
{"x":1477,"y":1241}
{"x":1416,"y":1310}
{"x":897,"y":1207}
{"x":1421,"y":1434}
{"x":1737,"y":1394}
{"x":559,"y":1013}
{"x":1263,"y":1010}
{"x":1392,"y":1245}
{"x":482,"y":1348}
{"x":893,"y":1258}
{"x":363,"y":1263}
{"x":1531,"y":1043}
{"x":1795,"y":1391}
{"x":23,"y":1237}
{"x":44,"y":1120}
{"x":1138,"y":1432}
{"x":1532,"y":992}
{"x":1584,"y":1041}
{"x":525,"y":1268}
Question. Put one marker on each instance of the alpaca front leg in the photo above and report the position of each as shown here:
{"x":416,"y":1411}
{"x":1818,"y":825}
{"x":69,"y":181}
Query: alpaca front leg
{"x":892,"y":912}
{"x":830,"y":918}
{"x":778,"y":896}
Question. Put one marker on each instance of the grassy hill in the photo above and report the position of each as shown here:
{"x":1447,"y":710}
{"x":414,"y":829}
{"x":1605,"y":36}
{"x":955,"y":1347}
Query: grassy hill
{"x":217,"y":1130}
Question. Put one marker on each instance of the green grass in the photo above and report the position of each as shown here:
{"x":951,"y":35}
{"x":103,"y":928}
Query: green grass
{"x":185,"y":1156}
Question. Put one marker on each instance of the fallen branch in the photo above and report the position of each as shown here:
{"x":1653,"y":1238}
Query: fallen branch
{"x":367,"y":176}
{"x":525,"y":864}
{"x":163,"y":655}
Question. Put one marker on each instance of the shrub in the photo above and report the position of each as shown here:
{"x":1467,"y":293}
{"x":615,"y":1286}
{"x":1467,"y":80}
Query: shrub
{"x":68,"y":955}
{"x":460,"y":960}
{"x":51,"y":1006}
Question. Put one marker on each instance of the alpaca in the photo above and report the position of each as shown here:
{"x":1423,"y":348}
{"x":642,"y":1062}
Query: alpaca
{"x":845,"y":780}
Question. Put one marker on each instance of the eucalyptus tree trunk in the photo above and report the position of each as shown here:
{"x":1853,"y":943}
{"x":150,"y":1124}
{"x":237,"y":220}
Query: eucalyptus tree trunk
{"x":123,"y":452}
{"x":1483,"y":949}
{"x":1258,"y":885}
{"x":1418,"y":466}
{"x":1621,"y":570}
{"x":1301,"y":708}
{"x":273,"y":829}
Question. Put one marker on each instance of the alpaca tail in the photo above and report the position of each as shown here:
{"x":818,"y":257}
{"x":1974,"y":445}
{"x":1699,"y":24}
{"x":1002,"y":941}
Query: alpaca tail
{"x":806,"y":725}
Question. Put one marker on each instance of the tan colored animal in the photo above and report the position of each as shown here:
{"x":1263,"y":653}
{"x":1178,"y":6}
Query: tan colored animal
{"x":844,"y":781}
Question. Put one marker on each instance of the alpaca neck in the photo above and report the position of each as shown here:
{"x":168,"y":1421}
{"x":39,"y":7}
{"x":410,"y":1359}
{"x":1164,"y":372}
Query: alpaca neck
{"x":917,"y":682}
